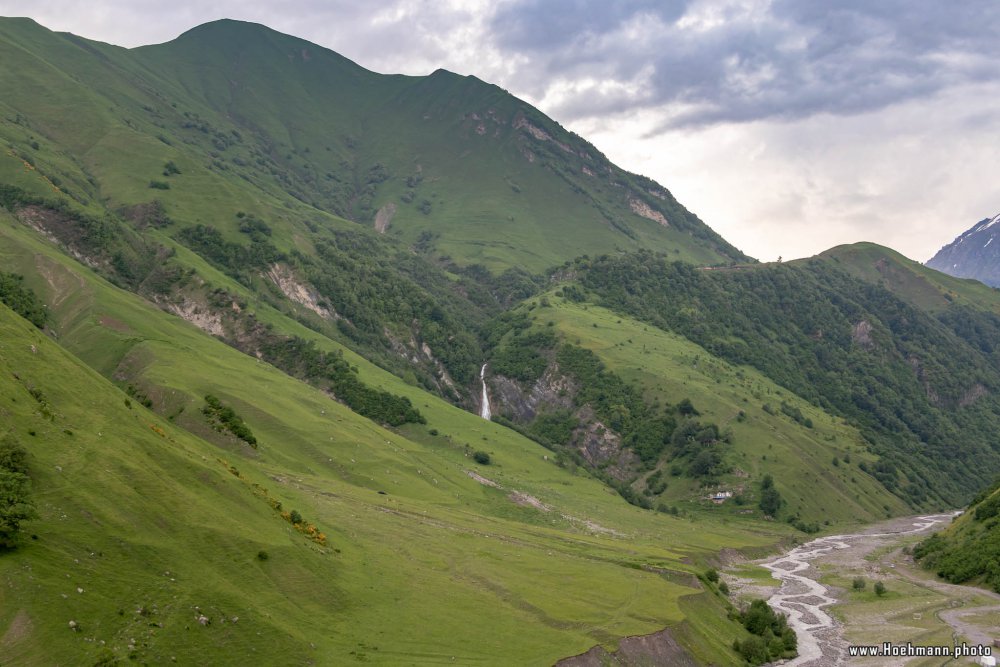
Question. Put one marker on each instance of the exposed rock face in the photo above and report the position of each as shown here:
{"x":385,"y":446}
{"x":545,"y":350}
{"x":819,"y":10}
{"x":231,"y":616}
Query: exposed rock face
{"x":601,"y":446}
{"x":552,"y":391}
{"x":974,"y":254}
{"x":384,"y":216}
{"x":862,"y":333}
{"x":974,"y":394}
{"x":301,"y":294}
{"x":643,"y":209}
{"x":200,"y":316}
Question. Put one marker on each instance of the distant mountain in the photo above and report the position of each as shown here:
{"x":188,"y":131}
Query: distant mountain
{"x":974,"y":254}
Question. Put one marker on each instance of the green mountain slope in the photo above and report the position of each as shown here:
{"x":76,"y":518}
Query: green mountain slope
{"x":813,"y":456}
{"x":456,"y":166}
{"x":265,"y":267}
{"x":968,"y":551}
{"x":922,"y":389}
{"x":545,"y":565}
{"x":913,"y":282}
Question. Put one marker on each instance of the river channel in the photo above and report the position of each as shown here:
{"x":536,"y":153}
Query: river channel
{"x":805,"y":599}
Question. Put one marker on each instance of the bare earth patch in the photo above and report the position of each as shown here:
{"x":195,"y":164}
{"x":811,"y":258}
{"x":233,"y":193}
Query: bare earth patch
{"x":482,"y":480}
{"x":19,"y":628}
{"x":526,"y":500}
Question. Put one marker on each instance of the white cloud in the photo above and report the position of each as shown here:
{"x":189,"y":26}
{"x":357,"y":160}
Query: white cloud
{"x":911,"y":176}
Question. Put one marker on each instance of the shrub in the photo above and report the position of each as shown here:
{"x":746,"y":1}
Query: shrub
{"x":159,"y":185}
{"x":295,"y":517}
{"x":15,"y":491}
{"x":859,"y":584}
{"x":482,"y":458}
{"x":22,"y":300}
{"x":262,"y":555}
{"x":224,"y":417}
{"x":13,"y":456}
{"x":752,"y":649}
{"x":880,"y":589}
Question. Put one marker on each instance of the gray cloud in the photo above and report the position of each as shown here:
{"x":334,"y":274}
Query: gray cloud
{"x":734,"y":62}
{"x":789,"y":125}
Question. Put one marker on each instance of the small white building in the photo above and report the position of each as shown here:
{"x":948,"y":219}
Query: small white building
{"x":720,"y":496}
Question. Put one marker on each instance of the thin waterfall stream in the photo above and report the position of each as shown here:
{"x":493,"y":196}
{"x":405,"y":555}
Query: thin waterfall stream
{"x":484,"y":412}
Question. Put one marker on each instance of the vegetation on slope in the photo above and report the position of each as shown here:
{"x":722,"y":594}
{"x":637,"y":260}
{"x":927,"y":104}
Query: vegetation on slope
{"x":21,"y":300}
{"x":16,"y":504}
{"x":969,"y":550}
{"x":925,"y":398}
{"x":435,"y":534}
{"x":735,"y":427}
{"x":449,"y":165}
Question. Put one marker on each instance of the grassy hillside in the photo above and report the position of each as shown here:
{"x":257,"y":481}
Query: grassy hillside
{"x":917,"y":284}
{"x":922,"y":389}
{"x":529,"y":582}
{"x":259,"y":121}
{"x":968,"y":551}
{"x":764,"y":440}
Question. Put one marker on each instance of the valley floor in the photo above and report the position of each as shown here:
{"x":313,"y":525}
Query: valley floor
{"x":831,"y":617}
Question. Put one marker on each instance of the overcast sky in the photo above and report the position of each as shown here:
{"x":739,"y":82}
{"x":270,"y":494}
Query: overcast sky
{"x":789,"y":126}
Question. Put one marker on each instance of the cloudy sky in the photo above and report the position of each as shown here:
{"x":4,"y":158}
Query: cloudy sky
{"x":788,"y":125}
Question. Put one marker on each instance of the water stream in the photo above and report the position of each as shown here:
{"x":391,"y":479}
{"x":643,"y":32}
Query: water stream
{"x":484,"y":412}
{"x":803,"y":598}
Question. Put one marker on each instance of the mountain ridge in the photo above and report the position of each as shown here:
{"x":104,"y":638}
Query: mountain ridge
{"x":538,"y":188}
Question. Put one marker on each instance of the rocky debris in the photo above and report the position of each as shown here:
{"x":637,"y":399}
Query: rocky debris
{"x":644,"y":210}
{"x":482,"y":480}
{"x":384,"y":216}
{"x":861,"y":333}
{"x":202,"y":318}
{"x":301,"y":294}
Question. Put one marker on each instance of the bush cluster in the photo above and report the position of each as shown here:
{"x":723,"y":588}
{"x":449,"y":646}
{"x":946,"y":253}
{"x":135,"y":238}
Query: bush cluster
{"x":16,"y":504}
{"x":770,"y":639}
{"x":224,"y":418}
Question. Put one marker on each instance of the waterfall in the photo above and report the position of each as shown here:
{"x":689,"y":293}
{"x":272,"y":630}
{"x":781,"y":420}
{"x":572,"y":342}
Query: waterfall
{"x":484,"y":412}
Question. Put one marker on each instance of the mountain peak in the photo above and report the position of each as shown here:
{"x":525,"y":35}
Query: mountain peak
{"x":974,"y":254}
